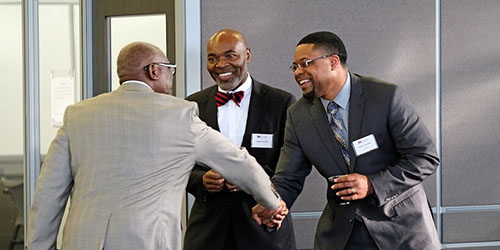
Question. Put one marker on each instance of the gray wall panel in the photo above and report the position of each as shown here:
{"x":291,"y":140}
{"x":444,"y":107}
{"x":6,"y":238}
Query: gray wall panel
{"x":313,"y":196}
{"x":471,"y":227}
{"x":304,"y":232}
{"x":394,"y":42}
{"x":471,"y":88}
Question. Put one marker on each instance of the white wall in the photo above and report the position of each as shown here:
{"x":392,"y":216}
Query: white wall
{"x":11,"y":81}
{"x":59,"y":51}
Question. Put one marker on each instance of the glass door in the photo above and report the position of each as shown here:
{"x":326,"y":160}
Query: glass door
{"x":116,"y":24}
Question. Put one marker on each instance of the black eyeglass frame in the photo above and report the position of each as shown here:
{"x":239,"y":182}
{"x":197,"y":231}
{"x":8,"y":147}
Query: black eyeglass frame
{"x":170,"y":66}
{"x":304,"y":64}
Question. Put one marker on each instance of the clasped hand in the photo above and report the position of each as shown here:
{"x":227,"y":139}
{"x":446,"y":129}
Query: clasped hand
{"x":214,"y":182}
{"x":269,"y":217}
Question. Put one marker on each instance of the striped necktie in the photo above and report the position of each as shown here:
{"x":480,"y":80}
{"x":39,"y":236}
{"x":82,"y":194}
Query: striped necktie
{"x":222,"y":98}
{"x":338,"y":130}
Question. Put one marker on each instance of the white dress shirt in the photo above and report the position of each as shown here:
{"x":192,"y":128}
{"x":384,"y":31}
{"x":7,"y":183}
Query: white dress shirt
{"x":232,"y":119}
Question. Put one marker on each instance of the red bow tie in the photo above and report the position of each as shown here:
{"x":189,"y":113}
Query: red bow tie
{"x":222,"y":98}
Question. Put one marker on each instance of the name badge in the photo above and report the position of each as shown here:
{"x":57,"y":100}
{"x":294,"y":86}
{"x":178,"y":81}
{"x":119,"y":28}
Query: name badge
{"x":364,"y":145}
{"x":262,"y":141}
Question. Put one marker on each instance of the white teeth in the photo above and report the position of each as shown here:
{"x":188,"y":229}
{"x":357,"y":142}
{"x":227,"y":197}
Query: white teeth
{"x":225,"y":74}
{"x":303,"y":81}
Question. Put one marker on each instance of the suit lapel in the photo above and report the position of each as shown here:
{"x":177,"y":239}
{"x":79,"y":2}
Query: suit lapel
{"x":256,"y":111}
{"x":356,"y":106}
{"x":209,"y":110}
{"x":320,"y":121}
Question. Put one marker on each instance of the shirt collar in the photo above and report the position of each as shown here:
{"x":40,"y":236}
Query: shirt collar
{"x":138,"y":82}
{"x":342,"y":98}
{"x":243,"y":87}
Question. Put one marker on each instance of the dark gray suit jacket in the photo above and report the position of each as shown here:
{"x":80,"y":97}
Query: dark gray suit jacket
{"x":397,"y":214}
{"x":214,"y":214}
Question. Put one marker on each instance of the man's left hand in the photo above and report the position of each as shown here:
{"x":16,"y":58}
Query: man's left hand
{"x":231,"y":187}
{"x":352,"y":186}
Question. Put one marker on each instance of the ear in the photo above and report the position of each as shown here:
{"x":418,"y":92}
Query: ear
{"x":334,"y":61}
{"x":248,"y":54}
{"x":153,"y":72}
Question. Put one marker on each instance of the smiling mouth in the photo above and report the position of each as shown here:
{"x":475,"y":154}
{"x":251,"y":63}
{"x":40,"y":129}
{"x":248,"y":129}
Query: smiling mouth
{"x":224,"y":76}
{"x":303,"y":82}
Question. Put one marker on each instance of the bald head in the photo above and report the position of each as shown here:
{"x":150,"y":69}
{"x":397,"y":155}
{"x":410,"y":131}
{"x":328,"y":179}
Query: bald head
{"x":226,"y":34}
{"x":145,"y":62}
{"x":134,"y":57}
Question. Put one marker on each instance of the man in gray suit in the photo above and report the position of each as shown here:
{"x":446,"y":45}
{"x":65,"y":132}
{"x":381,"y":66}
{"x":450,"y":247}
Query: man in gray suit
{"x":364,"y":135}
{"x":125,"y":157}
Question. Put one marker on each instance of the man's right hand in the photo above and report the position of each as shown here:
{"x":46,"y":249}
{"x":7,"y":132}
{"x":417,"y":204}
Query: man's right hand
{"x":213,"y":181}
{"x":270,"y":218}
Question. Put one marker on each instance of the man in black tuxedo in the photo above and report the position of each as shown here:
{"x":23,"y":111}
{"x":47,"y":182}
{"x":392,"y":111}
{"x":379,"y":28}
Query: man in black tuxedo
{"x":252,"y":115}
{"x":370,"y":144}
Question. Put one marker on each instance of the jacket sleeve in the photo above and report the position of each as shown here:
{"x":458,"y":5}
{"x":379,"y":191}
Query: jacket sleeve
{"x":418,"y":157}
{"x":293,"y":167}
{"x":51,"y":194}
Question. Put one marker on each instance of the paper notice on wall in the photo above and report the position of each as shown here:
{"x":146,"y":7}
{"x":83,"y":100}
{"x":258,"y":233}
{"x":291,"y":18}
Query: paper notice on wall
{"x":62,"y":95}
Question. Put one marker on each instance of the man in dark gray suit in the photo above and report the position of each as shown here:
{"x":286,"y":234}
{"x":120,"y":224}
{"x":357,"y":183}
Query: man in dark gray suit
{"x":367,"y":140}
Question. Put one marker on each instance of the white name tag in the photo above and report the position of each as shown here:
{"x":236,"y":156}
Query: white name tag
{"x":262,"y":140}
{"x":364,"y":145}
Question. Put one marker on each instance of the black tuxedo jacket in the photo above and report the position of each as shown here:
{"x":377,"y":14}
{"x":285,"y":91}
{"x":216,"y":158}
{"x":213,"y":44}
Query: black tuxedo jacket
{"x":213,"y":214}
{"x":397,"y":215}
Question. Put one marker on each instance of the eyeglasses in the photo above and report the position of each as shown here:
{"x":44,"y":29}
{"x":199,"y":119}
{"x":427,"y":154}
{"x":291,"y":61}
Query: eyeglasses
{"x":170,"y":66}
{"x":304,"y":64}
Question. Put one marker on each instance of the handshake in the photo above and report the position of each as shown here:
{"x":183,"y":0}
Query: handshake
{"x":270,"y":218}
{"x":214,"y":182}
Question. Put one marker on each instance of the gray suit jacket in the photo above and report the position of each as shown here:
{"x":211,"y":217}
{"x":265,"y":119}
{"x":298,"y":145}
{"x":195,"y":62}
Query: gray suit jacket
{"x":124,"y":158}
{"x":397,"y":214}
